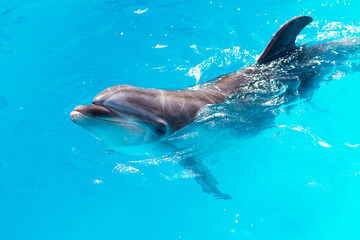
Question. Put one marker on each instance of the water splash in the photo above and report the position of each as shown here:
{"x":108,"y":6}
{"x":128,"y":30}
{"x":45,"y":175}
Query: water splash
{"x":141,"y":11}
{"x":316,"y":139}
{"x":334,"y":30}
{"x":123,"y":168}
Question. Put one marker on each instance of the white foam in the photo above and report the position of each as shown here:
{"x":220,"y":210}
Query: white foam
{"x":141,"y":11}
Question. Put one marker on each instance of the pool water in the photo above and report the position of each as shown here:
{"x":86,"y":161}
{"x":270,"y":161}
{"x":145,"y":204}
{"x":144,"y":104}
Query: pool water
{"x":296,"y":179}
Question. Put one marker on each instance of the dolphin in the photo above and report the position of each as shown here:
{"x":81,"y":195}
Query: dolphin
{"x":129,"y":115}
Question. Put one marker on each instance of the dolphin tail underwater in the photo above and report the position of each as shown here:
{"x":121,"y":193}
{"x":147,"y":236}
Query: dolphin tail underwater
{"x":283,"y":73}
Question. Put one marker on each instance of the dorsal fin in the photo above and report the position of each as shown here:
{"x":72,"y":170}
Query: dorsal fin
{"x":283,"y":40}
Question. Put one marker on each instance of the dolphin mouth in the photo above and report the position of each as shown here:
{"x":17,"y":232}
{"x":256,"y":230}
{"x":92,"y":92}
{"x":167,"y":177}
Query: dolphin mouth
{"x":93,"y":110}
{"x":125,"y":117}
{"x":96,"y":112}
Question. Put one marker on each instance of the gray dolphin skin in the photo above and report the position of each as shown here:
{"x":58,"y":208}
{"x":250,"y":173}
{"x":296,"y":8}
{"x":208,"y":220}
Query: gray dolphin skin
{"x":128,"y":115}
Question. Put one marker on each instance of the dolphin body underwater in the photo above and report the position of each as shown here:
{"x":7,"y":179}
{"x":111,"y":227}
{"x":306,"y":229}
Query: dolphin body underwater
{"x":127,"y":115}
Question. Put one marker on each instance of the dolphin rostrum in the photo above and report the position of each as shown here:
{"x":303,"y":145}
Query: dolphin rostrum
{"x":128,"y":115}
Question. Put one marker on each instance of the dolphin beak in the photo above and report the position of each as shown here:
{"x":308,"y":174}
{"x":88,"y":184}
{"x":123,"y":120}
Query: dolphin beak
{"x":76,"y":116}
{"x":90,"y":111}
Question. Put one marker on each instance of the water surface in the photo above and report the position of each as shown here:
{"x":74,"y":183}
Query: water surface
{"x":296,"y":180}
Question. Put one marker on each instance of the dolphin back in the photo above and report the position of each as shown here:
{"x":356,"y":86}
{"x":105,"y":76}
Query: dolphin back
{"x":283,"y":40}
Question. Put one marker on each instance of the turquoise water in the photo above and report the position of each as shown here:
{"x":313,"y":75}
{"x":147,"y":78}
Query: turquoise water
{"x":298,"y":179}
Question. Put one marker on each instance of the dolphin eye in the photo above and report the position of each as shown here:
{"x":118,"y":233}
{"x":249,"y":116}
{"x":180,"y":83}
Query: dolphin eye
{"x":161,"y":129}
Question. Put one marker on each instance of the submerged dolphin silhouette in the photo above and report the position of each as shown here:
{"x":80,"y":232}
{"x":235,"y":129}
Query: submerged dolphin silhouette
{"x":127,"y":115}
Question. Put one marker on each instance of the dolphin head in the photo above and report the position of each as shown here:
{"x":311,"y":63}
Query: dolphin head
{"x":119,"y":116}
